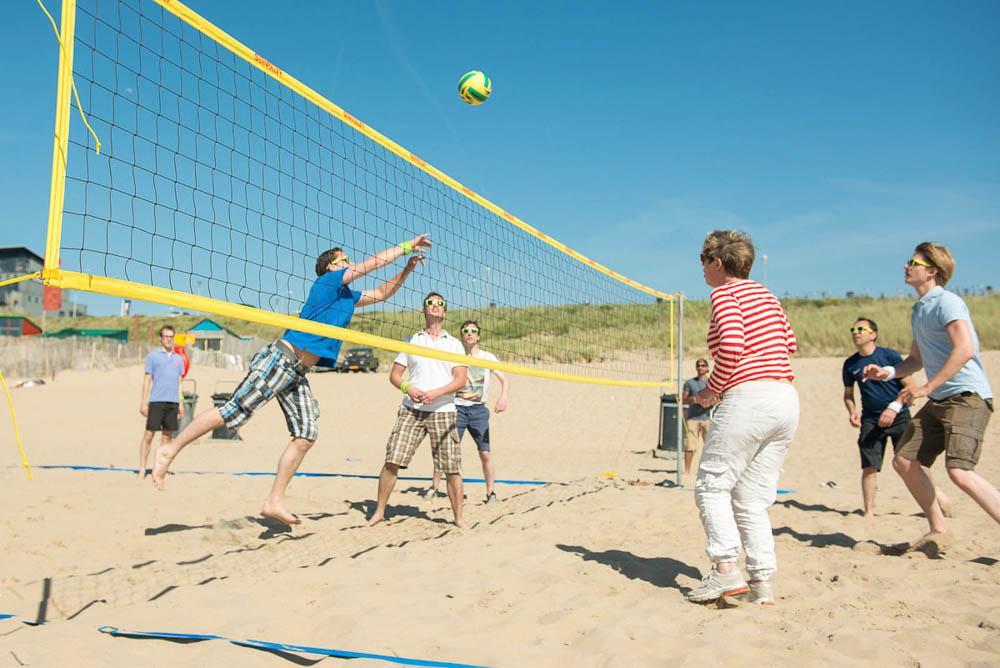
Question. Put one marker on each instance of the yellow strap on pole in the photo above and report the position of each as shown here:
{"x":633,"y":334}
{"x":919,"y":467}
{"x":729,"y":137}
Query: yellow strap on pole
{"x":17,"y":434}
{"x":11,"y":281}
{"x":79,"y":106}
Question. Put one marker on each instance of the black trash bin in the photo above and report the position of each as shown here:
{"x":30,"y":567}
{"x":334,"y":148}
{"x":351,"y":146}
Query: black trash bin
{"x":667,"y":445}
{"x":189,"y":390}
{"x":219,"y":399}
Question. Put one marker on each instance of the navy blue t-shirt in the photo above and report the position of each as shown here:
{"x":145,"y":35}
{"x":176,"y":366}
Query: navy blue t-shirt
{"x":875,"y":394}
{"x":332,"y":303}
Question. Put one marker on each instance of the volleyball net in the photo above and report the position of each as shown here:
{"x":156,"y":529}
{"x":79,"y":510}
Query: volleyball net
{"x":220,"y":178}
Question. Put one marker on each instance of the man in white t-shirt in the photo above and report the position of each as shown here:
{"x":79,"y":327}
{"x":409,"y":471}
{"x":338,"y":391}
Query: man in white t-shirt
{"x":428,"y":409}
{"x":470,"y":404}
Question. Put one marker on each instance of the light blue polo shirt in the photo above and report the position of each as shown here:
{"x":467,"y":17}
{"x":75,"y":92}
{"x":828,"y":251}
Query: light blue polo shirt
{"x":166,"y":369}
{"x":929,"y":316}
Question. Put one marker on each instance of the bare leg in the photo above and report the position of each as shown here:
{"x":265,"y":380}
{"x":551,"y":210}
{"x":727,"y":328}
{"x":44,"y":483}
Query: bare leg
{"x":288,"y":464}
{"x":688,"y":457}
{"x":145,"y":445}
{"x":869,"y":482}
{"x":456,"y":493}
{"x":201,"y":425}
{"x":488,"y":473}
{"x":436,"y":482}
{"x":981,"y":491}
{"x":386,"y":481}
{"x":922,"y":490}
{"x":939,"y":494}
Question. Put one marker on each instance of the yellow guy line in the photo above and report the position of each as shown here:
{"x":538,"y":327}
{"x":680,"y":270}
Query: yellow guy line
{"x":79,"y":106}
{"x":117,"y":288}
{"x":199,"y":23}
{"x":17,"y":434}
{"x":11,"y":281}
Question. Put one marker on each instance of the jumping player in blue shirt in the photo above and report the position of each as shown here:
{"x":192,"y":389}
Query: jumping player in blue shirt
{"x":279,"y":369}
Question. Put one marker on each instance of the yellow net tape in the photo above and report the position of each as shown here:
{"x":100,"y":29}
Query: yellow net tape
{"x":79,"y":106}
{"x":17,"y":434}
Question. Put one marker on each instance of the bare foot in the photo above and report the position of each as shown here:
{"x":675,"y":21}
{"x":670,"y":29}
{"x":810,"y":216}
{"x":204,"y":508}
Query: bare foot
{"x":376,"y":518}
{"x":277,"y":510}
{"x":932,"y":543}
{"x":161,"y":463}
{"x":461,"y":524}
{"x":869,"y":514}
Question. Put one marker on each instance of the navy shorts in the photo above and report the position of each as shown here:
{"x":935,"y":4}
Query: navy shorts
{"x":476,"y":419}
{"x":872,"y":438}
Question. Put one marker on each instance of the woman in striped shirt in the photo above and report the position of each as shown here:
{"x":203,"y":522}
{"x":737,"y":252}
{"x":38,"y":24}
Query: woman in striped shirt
{"x":751,"y":429}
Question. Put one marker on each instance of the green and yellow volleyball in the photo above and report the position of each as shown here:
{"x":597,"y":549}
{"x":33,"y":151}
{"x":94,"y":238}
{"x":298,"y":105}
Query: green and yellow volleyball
{"x":474,"y":87}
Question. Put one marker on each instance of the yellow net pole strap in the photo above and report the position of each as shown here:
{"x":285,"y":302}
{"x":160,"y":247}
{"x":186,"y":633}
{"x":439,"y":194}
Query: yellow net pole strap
{"x":212,"y":31}
{"x":114,"y":287}
{"x":17,"y":434}
{"x":76,"y":93}
{"x":11,"y":281}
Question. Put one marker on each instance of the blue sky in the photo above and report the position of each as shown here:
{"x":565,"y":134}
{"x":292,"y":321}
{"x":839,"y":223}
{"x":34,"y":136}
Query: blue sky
{"x":838,"y":136}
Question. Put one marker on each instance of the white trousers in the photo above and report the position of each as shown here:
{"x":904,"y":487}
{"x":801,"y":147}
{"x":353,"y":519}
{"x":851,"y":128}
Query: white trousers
{"x":748,"y":439}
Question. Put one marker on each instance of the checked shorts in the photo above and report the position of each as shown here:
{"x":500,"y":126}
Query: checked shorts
{"x":275,"y":373}
{"x":409,"y":431}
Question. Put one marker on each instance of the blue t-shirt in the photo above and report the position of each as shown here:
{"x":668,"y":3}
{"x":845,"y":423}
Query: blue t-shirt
{"x":875,"y":394}
{"x":696,"y":411}
{"x":332,"y":303}
{"x":929,"y":316}
{"x":166,"y":369}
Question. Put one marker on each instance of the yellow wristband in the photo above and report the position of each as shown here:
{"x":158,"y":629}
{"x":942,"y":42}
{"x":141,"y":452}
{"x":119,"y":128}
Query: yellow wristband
{"x":404,"y":386}
{"x":407,"y":247}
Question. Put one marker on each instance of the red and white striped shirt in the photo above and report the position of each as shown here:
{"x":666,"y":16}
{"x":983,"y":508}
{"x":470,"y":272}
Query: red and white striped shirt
{"x":749,"y":336}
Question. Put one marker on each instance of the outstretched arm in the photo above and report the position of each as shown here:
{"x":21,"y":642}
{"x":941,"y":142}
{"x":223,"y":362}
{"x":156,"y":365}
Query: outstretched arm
{"x":392,"y":286}
{"x":418,"y":244}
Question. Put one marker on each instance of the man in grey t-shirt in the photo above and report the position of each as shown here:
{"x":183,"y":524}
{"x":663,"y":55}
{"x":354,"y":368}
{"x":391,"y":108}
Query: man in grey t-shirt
{"x":696,"y":416}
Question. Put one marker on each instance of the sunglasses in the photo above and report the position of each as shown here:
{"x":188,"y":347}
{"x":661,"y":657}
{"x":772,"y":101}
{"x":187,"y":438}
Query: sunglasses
{"x":861,"y":328}
{"x":914,"y":262}
{"x":469,"y":330}
{"x":343,"y":259}
{"x":435,"y":302}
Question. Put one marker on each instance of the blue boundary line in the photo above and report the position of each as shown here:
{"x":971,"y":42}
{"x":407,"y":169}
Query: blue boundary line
{"x":283,"y":647}
{"x":300,"y":474}
{"x":308,"y":474}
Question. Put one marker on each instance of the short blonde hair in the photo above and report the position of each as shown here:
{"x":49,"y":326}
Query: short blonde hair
{"x":942,"y":259}
{"x":733,"y":247}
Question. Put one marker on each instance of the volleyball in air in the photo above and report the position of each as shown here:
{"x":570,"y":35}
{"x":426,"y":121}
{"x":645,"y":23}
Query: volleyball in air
{"x":474,"y":87}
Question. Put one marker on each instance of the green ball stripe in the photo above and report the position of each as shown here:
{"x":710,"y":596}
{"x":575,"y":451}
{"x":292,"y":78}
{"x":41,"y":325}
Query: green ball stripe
{"x":477,"y":94}
{"x":466,"y":77}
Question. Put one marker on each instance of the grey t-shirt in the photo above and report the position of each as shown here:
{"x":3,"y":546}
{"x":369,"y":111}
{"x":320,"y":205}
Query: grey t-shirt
{"x":695,"y":411}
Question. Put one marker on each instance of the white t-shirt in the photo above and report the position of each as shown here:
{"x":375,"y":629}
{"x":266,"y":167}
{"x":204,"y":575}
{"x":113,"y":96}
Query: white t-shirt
{"x":426,"y":373}
{"x":475,"y":390}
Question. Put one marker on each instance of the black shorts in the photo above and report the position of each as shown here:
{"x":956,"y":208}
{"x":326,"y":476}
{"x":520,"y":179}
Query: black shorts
{"x":871,"y":440}
{"x":162,"y":416}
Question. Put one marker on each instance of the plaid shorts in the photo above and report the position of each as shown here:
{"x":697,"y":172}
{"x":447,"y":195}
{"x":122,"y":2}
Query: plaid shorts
{"x":411,"y":427}
{"x":274,"y":372}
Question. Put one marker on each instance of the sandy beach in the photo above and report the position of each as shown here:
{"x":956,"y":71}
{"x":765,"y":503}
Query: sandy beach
{"x":588,"y":571}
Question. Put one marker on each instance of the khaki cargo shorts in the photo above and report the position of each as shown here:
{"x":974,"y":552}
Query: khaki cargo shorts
{"x":954,"y":426}
{"x":697,"y":432}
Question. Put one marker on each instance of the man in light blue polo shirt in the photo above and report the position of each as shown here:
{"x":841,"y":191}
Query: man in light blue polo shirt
{"x":159,"y":401}
{"x":279,"y":369}
{"x":960,"y":400}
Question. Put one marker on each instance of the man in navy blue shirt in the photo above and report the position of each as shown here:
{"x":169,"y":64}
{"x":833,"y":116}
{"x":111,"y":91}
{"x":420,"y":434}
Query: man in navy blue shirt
{"x":878,"y":420}
{"x":279,"y":369}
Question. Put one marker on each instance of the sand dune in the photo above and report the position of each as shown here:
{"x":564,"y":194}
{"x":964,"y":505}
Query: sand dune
{"x":588,"y":573}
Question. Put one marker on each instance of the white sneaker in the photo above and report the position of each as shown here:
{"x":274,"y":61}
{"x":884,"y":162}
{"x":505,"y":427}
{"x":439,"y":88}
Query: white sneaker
{"x":761,"y":592}
{"x":715,"y":585}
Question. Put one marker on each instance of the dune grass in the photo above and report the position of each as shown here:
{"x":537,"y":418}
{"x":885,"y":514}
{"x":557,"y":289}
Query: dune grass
{"x":572,"y":333}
